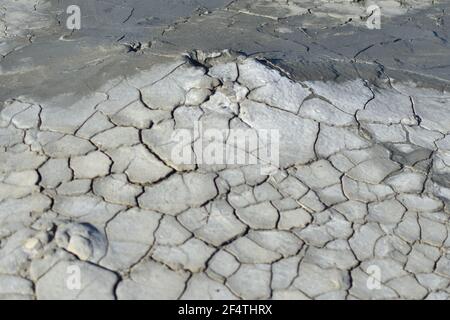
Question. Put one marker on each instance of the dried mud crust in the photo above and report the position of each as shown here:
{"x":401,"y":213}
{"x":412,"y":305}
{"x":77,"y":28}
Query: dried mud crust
{"x":364,"y":181}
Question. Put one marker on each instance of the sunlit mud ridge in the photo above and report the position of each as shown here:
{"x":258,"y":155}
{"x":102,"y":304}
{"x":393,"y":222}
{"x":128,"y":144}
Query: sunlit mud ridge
{"x":363,"y":184}
{"x":325,"y":12}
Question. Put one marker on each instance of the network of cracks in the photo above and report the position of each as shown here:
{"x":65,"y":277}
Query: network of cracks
{"x":363,"y":182}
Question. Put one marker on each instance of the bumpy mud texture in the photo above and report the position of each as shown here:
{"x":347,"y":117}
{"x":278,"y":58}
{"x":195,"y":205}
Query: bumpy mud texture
{"x":89,"y":183}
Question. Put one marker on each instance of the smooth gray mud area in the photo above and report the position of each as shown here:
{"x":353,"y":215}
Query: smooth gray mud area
{"x":313,"y":40}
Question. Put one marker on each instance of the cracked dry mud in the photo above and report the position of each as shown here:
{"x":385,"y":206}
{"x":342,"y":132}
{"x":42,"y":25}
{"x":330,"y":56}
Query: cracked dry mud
{"x":91,"y":183}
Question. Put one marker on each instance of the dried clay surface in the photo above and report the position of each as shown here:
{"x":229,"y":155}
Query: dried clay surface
{"x":89,"y":180}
